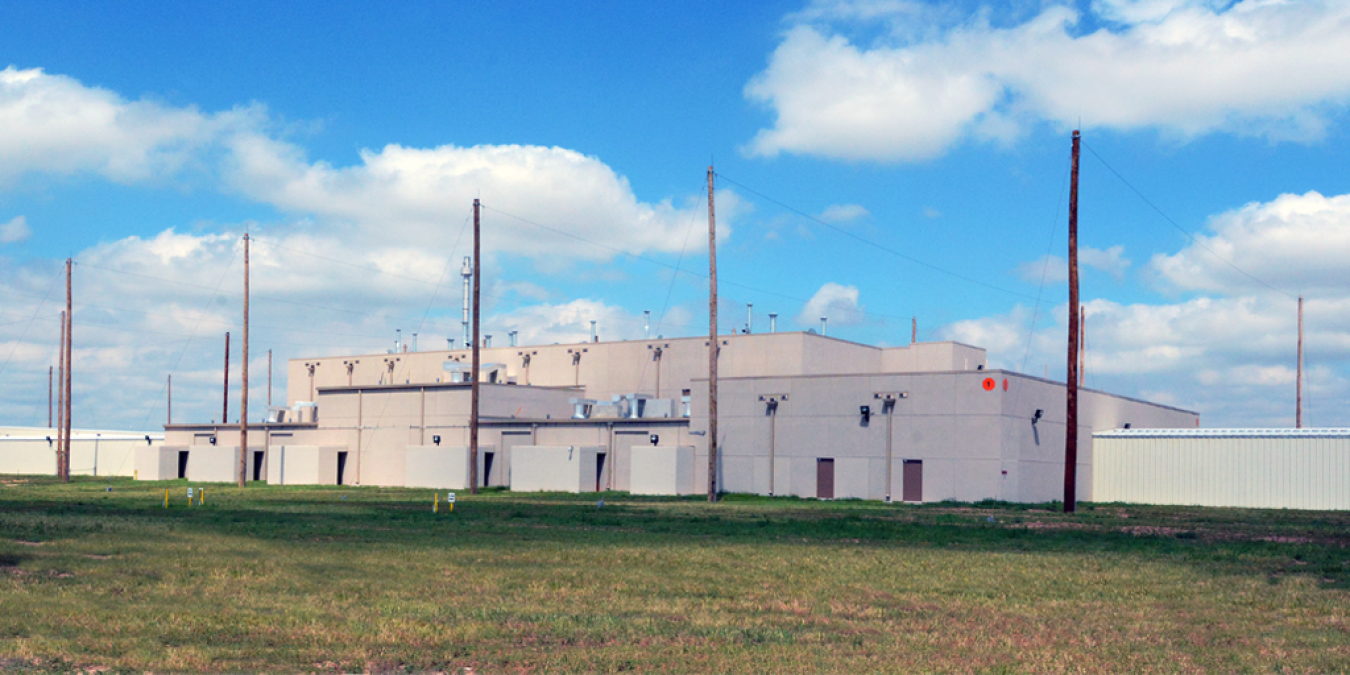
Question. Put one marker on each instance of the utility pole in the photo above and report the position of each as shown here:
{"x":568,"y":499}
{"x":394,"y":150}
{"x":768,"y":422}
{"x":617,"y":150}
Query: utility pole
{"x":49,"y":397}
{"x":61,"y":396}
{"x":473,"y":371}
{"x":914,"y":330}
{"x":225,"y":407}
{"x":170,"y":419}
{"x":269,"y":378}
{"x":1082,"y":345}
{"x":243,"y":381}
{"x":70,"y":365}
{"x":1071,"y":382}
{"x":1298,"y":401}
{"x":713,"y":346}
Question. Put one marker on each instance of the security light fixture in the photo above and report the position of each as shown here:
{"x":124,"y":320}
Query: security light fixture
{"x":436,"y":439}
{"x":213,"y":440}
{"x":1037,"y":417}
{"x":865,"y":411}
{"x":1127,"y":425}
{"x":147,"y":439}
{"x":654,"y":439}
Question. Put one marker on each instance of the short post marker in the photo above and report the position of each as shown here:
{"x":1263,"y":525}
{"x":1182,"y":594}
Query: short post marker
{"x":201,"y":497}
{"x":190,"y":495}
{"x":436,"y":502}
{"x":450,"y":499}
{"x":166,"y":498}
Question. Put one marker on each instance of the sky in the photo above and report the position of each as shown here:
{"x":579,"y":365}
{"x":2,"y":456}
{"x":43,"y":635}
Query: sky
{"x":877,"y":162}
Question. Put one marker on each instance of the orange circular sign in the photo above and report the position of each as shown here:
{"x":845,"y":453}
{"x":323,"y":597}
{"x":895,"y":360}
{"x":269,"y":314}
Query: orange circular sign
{"x":989,"y":384}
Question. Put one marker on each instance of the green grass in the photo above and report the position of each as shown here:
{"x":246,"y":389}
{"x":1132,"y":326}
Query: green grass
{"x":348,"y":579}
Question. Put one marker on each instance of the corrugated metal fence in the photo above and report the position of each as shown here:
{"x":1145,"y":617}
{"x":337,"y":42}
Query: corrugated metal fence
{"x":1256,"y":468}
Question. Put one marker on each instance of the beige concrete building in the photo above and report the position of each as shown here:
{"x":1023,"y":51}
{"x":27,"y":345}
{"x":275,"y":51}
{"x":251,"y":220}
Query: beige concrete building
{"x":801,"y":414}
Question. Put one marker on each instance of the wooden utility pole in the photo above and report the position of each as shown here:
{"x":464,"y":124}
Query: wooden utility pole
{"x":1298,"y":397}
{"x":61,"y":396}
{"x":1071,"y":382}
{"x":1082,"y":345}
{"x":473,"y":371}
{"x":225,"y":407}
{"x":70,"y":365}
{"x":243,"y":381}
{"x":713,"y":346}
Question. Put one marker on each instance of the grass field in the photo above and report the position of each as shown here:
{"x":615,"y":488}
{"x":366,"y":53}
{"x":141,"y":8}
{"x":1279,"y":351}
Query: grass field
{"x":350,"y":579}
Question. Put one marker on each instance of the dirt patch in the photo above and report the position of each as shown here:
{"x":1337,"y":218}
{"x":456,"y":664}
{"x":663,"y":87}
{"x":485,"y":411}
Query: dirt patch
{"x":1153,"y":531}
{"x":1054,"y":525}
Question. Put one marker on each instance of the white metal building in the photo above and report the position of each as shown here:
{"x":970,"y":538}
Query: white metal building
{"x":1254,"y":468}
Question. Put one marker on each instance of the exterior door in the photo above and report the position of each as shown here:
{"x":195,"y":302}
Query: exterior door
{"x":510,"y":439}
{"x":825,"y":478}
{"x":913,"y":479}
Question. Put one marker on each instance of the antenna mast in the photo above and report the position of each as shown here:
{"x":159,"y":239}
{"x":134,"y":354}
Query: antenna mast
{"x":1071,"y":382}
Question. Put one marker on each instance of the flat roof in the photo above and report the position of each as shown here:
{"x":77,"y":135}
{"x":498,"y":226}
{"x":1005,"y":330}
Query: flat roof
{"x":1224,"y":433}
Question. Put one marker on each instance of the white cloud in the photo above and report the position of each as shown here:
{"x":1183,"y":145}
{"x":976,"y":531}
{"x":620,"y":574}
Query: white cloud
{"x":1295,"y":243}
{"x":1274,"y":69}
{"x":361,"y":250}
{"x":839,"y":213}
{"x":16,"y":231}
{"x":54,"y":124}
{"x":1231,"y":358}
{"x":424,"y":195}
{"x":1055,"y":270}
{"x":835,"y":302}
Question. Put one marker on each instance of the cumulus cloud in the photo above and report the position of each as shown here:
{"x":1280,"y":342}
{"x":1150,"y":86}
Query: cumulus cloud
{"x":1232,"y":359}
{"x":1188,"y":68}
{"x":835,"y":302}
{"x":55,"y":124}
{"x":16,"y":231}
{"x":839,"y":213}
{"x":1055,"y":270}
{"x":1294,"y":243}
{"x":358,"y":250}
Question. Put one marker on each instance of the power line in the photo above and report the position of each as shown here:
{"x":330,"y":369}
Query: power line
{"x":1179,"y":228}
{"x":874,"y":244}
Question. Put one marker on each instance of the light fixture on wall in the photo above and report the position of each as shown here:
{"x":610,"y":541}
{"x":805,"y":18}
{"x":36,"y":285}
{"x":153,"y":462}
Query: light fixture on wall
{"x":654,"y":439}
{"x":866,"y":412}
{"x":436,"y":439}
{"x":1037,"y":417}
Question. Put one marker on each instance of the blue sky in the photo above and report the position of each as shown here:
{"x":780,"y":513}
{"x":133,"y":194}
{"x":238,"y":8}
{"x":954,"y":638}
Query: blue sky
{"x":351,"y":139}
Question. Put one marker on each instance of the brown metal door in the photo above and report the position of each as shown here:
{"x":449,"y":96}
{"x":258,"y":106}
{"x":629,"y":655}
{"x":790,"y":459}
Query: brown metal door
{"x":913,"y":490}
{"x":825,"y":478}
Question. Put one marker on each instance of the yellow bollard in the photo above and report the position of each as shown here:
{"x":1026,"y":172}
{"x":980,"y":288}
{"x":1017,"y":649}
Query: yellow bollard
{"x":201,"y":497}
{"x":436,"y":503}
{"x":166,"y":499}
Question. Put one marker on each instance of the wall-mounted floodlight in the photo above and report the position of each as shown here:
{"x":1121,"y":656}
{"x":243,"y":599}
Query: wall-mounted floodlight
{"x":436,"y":439}
{"x":1127,"y":425}
{"x":654,"y":439}
{"x":147,"y":440}
{"x":49,"y":441}
{"x":1037,"y":417}
{"x":213,"y":440}
{"x":866,"y":412}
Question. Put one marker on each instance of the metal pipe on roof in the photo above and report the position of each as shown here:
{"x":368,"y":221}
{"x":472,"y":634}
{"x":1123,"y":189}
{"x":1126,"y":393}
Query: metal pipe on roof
{"x":773,"y":322}
{"x":467,"y":272}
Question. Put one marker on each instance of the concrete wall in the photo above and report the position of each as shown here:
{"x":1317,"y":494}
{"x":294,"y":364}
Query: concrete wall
{"x":537,"y":468}
{"x":973,"y":436}
{"x":1279,"y":469}
{"x":156,"y":463}
{"x":303,"y":465}
{"x":444,"y":467}
{"x":661,"y":470}
{"x":215,"y":464}
{"x":608,"y":368}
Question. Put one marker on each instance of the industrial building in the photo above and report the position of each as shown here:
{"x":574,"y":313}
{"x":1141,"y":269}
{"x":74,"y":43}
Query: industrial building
{"x":800,"y":414}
